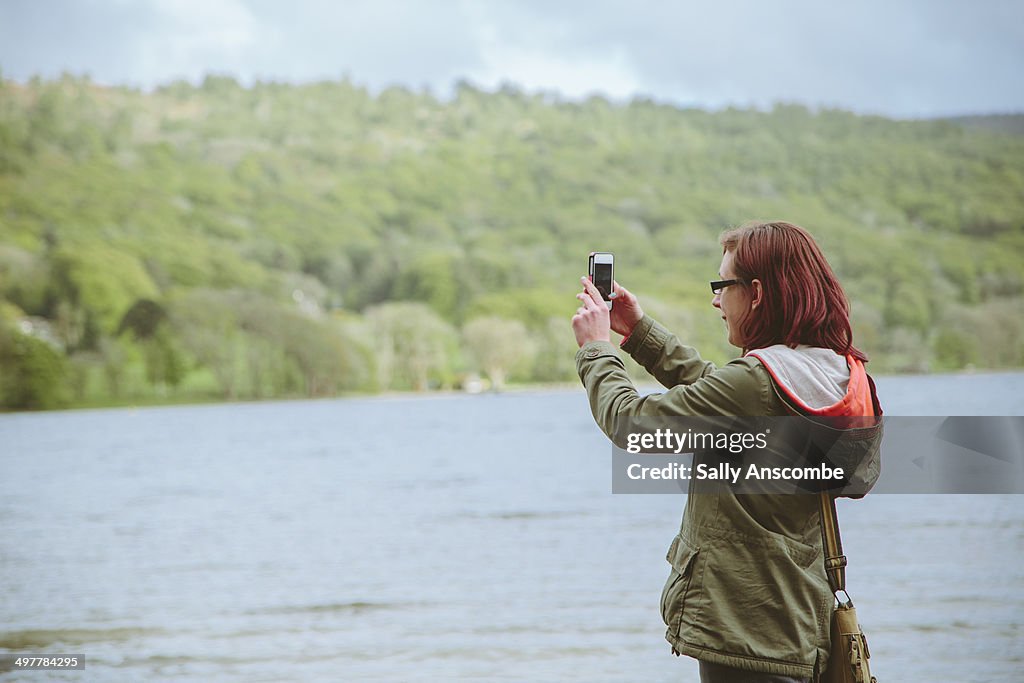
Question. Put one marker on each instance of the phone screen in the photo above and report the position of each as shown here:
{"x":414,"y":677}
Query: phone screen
{"x":603,"y":279}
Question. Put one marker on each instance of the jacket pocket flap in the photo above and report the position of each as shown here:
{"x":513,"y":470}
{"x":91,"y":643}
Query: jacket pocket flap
{"x":680,"y":555}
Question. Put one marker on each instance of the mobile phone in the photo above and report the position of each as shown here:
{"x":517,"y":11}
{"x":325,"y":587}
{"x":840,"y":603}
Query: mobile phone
{"x":601,"y":267}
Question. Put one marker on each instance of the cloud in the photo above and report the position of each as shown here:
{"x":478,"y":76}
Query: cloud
{"x":544,"y":69}
{"x":195,"y":36}
{"x":381,"y":42}
{"x":906,"y":59}
{"x":924,"y":57}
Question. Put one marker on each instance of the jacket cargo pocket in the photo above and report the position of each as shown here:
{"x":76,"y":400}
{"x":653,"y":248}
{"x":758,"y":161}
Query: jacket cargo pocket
{"x":768,"y":594}
{"x":681,"y":555}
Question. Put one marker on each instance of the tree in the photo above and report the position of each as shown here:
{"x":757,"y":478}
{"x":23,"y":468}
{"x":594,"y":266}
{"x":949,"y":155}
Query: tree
{"x":414,"y":345}
{"x":554,"y":360}
{"x":498,"y":346}
{"x":431,"y":278}
{"x":207,"y":324}
{"x":32,"y":372}
{"x":147,"y":321}
{"x":102,"y":281}
{"x":143,"y":319}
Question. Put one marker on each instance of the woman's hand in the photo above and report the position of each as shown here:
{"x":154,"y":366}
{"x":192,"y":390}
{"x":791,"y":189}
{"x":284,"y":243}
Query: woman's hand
{"x":591,"y":321}
{"x":626,"y":312}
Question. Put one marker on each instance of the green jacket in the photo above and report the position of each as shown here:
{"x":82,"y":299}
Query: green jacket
{"x":747,"y":586}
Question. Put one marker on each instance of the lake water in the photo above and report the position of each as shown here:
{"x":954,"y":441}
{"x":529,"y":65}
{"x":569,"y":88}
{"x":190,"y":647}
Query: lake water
{"x":435,"y":538}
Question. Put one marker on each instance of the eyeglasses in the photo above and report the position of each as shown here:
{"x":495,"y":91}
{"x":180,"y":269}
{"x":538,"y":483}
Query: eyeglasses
{"x":718,"y":285}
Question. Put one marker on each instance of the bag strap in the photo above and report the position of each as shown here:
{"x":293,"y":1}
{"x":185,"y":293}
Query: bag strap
{"x":831,"y":541}
{"x":832,"y":544}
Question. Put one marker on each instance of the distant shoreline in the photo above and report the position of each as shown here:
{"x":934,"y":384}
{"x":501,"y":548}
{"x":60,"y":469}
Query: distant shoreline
{"x":558,"y":387}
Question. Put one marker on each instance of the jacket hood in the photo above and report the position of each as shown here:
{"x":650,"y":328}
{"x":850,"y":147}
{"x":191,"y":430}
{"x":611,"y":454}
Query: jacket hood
{"x":817,"y":378}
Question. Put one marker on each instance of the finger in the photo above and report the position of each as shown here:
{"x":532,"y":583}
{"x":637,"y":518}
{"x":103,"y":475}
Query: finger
{"x":587,"y":302}
{"x":591,"y":289}
{"x":597,"y":293}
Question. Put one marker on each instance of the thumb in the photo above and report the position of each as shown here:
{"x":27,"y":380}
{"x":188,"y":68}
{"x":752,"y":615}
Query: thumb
{"x":624,"y":294}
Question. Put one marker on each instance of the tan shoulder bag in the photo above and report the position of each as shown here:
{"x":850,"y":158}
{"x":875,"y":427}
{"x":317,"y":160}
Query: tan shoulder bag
{"x":848,"y":652}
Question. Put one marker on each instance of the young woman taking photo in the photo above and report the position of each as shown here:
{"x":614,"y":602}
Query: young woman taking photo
{"x":747,"y":594}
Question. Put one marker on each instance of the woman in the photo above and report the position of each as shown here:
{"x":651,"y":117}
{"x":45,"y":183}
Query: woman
{"x":747,"y":595}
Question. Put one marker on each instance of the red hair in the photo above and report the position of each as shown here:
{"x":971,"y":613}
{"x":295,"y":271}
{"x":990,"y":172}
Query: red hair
{"x":802,"y":300}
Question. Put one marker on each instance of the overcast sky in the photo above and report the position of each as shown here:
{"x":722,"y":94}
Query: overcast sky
{"x":897,"y":58}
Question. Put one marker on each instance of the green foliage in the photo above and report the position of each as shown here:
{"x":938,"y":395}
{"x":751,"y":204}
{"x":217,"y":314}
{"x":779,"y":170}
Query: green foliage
{"x":315,"y":239}
{"x":24,"y":278}
{"x":555,"y":359}
{"x":415,"y":348}
{"x":532,"y":307}
{"x":147,"y":321}
{"x":143,"y":319}
{"x":430,"y":278}
{"x":102,"y":281}
{"x":32,"y":372}
{"x":498,"y":346}
{"x":165,"y":366}
{"x":208,"y":325}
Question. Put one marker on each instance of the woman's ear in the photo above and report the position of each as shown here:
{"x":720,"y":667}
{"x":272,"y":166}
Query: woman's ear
{"x":755,"y":293}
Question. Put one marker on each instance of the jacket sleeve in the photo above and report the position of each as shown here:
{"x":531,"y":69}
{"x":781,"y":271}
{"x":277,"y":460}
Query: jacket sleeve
{"x":663,"y":356}
{"x":742,"y":387}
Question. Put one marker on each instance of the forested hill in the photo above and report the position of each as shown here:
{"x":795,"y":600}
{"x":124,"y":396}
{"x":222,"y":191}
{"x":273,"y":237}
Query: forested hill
{"x":1002,"y":123}
{"x":280,"y":240}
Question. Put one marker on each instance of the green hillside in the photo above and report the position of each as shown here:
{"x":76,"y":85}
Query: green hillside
{"x":197,"y":243}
